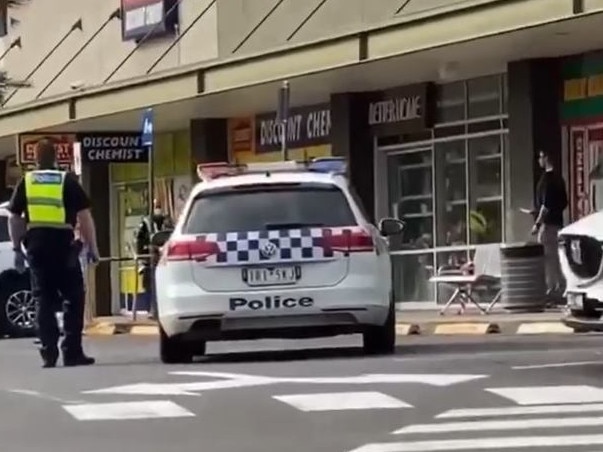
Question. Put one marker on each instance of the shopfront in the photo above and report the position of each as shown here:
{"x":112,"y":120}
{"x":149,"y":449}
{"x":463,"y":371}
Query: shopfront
{"x":439,"y":166}
{"x":129,"y":204}
{"x":582,"y":128}
{"x":258,"y":138}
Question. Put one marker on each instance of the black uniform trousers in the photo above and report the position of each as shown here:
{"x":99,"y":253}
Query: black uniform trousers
{"x":57,"y":277}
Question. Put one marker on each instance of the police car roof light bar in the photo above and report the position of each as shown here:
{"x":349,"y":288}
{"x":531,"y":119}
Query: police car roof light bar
{"x":332,"y":165}
{"x":209,"y":171}
{"x":326,"y":165}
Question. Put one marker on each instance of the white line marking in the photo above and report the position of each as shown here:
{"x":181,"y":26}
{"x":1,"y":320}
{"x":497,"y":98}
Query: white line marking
{"x":339,"y":401}
{"x":40,"y":395}
{"x":513,"y":424}
{"x":229,"y":381}
{"x":550,"y":395}
{"x":484,"y":444}
{"x":152,"y":409}
{"x":516,"y":411}
{"x":189,"y":389}
{"x":553,"y":365}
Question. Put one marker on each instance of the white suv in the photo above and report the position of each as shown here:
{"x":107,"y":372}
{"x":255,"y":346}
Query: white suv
{"x":17,"y":308}
{"x":581,"y":257}
{"x":278,"y":250}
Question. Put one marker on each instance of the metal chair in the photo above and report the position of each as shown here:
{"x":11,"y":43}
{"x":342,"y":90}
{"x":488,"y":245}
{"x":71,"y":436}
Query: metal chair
{"x":484,"y":275}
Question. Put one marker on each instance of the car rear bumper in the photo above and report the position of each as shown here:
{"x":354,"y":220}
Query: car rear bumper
{"x":275,"y":313}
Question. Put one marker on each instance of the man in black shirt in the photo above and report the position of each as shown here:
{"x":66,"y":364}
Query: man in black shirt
{"x":551,"y":201}
{"x":45,"y":207}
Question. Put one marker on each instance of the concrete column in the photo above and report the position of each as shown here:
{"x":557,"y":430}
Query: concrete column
{"x":351,"y":138}
{"x":209,"y":141}
{"x":533,"y":106}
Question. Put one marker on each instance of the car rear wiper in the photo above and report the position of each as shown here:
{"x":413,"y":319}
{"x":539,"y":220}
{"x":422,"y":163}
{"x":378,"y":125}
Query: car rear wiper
{"x":278,"y":226}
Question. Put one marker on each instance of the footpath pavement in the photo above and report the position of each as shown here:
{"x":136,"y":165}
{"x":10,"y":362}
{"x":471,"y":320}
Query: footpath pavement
{"x":423,"y":322}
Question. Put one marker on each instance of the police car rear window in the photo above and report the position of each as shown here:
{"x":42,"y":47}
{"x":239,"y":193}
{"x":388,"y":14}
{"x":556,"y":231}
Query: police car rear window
{"x":269,"y":207}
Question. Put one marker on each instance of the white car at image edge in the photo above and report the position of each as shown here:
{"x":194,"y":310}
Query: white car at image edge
{"x":280,"y":250}
{"x":581,"y":257}
{"x":17,"y":308}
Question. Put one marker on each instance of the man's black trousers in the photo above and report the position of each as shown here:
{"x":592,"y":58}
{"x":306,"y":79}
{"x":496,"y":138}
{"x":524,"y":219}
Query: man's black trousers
{"x":56,"y":278}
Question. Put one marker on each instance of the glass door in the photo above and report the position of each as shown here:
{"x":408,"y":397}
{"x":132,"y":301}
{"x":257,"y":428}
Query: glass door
{"x":410,"y":196}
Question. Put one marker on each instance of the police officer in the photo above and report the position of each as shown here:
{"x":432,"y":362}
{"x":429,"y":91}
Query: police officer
{"x":45,"y":207}
{"x":146,"y":229}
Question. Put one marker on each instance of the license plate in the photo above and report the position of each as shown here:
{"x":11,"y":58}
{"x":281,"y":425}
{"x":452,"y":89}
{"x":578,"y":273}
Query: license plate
{"x":575,"y":300}
{"x":271,"y":276}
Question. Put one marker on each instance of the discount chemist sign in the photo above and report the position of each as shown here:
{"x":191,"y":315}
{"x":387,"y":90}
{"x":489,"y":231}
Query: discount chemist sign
{"x":113,"y":147}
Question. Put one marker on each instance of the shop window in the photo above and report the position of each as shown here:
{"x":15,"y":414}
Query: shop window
{"x":451,"y":187}
{"x":450,"y":102}
{"x":411,"y":196}
{"x":411,"y":273}
{"x":486,"y":179}
{"x":483,"y":95}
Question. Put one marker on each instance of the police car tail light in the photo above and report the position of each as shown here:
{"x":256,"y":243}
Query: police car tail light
{"x":274,"y":167}
{"x":197,"y":249}
{"x":348,"y":240}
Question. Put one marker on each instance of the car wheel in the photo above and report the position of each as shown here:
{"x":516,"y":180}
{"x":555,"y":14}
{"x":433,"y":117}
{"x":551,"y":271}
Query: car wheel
{"x":18,"y":312}
{"x":173,"y":350}
{"x":381,"y":340}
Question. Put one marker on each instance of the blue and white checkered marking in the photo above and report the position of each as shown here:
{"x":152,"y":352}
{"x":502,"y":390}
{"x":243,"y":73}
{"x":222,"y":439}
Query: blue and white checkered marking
{"x":292,"y":245}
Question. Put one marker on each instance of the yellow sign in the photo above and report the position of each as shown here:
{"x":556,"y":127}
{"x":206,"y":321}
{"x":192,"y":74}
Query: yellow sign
{"x":583,"y":88}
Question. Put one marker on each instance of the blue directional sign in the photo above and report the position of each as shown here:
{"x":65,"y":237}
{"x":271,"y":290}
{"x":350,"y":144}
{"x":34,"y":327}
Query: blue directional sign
{"x":147,"y":127}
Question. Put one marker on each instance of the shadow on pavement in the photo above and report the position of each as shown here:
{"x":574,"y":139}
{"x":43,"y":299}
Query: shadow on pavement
{"x":284,"y":355}
{"x":449,"y":346}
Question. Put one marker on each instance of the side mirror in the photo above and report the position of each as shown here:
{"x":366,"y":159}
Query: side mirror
{"x":159,"y":238}
{"x":390,"y":226}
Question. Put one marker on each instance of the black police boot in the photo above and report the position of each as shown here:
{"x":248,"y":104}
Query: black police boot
{"x":77,"y":360}
{"x":49,"y":356}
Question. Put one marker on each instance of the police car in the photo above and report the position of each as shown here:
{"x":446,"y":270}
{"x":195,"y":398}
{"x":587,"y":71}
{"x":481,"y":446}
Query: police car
{"x":581,"y":257}
{"x":280,"y":250}
{"x":17,"y":308}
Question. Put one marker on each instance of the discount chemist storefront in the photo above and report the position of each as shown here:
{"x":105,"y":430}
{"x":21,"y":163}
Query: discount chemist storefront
{"x":129,"y":203}
{"x":257,"y":139}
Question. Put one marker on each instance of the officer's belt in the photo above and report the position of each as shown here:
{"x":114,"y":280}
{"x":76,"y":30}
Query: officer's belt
{"x":40,"y":224}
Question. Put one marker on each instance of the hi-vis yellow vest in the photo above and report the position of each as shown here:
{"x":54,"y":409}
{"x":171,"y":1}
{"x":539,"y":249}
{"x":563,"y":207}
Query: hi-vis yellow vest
{"x":44,"y":194}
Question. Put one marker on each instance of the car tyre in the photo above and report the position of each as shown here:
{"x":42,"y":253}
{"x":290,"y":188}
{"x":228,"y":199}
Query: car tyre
{"x":15,"y":288}
{"x":381,"y":340}
{"x":173,"y":350}
{"x":581,"y":313}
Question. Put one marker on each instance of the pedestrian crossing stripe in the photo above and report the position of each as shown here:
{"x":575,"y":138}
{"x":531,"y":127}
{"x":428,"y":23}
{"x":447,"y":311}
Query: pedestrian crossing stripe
{"x":521,"y":410}
{"x":499,"y":425}
{"x":150,"y":409}
{"x":550,"y":395}
{"x":340,"y":401}
{"x":509,"y":427}
{"x":558,"y":442}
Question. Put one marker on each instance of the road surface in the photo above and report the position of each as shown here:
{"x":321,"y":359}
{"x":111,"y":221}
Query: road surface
{"x":435,"y":394}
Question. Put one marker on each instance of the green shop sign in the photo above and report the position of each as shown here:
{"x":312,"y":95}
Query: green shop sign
{"x":582,"y":88}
